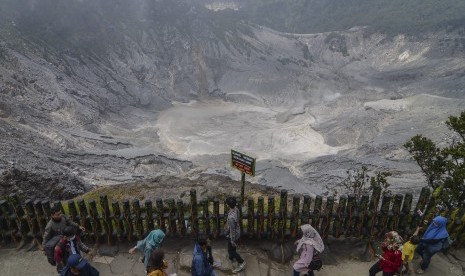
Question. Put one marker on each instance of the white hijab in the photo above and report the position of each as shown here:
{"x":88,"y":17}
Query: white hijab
{"x":311,"y":237}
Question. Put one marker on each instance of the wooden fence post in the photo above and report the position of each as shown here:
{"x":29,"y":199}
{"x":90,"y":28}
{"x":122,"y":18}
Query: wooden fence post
{"x":161,"y":214}
{"x":373,"y":212}
{"x":181,"y":218}
{"x":362,"y":216}
{"x":73,"y":214}
{"x":384,"y":212}
{"x":250,"y":217}
{"x":204,"y":216}
{"x":395,"y":214}
{"x":271,"y":218}
{"x":194,"y":213}
{"x":4,"y":227}
{"x":317,"y":211}
{"x":21,"y":221}
{"x":139,"y":227}
{"x":32,"y":222}
{"x":39,"y":212}
{"x":47,"y":210}
{"x":327,"y":215}
{"x":261,"y":218}
{"x":149,"y":215}
{"x":350,"y":215}
{"x":12,"y":227}
{"x":128,"y":219}
{"x":421,"y":204}
{"x":340,"y":214}
{"x":119,"y":224}
{"x":295,"y":215}
{"x":405,"y":215}
{"x":282,"y":215}
{"x":84,"y":215}
{"x":171,"y":216}
{"x":305,"y":216}
{"x":107,"y":219}
{"x":216,"y":218}
{"x":96,"y":225}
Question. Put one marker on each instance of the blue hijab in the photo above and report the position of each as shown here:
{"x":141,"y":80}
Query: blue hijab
{"x":150,"y":243}
{"x":437,"y":229}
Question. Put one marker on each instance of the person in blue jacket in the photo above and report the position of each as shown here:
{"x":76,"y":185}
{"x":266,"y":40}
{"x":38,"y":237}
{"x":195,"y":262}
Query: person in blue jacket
{"x":202,"y":261}
{"x":432,"y":242}
{"x":77,"y":265}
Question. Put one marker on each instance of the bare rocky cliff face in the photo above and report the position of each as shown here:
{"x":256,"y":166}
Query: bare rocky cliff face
{"x":107,"y":92}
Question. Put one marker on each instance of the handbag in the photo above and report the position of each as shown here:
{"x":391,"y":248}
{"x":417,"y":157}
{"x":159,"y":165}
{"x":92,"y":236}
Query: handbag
{"x":316,"y":263}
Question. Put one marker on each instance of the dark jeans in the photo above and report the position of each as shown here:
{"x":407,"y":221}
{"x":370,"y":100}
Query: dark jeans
{"x":375,"y":269}
{"x":233,"y":253}
{"x":309,"y":273}
{"x":425,"y":255}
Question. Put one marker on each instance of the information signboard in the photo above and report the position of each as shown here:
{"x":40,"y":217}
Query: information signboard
{"x":242,"y":162}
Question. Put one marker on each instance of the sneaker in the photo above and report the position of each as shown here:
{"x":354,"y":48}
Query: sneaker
{"x":239,"y":268}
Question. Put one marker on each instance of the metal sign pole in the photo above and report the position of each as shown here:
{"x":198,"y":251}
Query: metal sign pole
{"x":242,"y":187}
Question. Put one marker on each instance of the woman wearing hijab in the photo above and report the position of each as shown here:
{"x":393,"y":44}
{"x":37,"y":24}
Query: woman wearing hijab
{"x":306,"y":247}
{"x":147,"y":245}
{"x":432,"y":242}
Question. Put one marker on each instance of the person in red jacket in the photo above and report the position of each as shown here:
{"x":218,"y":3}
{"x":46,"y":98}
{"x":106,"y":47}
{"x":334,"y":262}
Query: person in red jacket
{"x":70,"y":244}
{"x":391,"y":260}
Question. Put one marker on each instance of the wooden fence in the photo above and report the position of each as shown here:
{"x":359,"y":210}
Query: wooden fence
{"x":262,"y":218}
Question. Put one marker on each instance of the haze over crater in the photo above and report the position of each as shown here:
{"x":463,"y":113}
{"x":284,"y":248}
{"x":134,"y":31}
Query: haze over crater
{"x":117,"y":91}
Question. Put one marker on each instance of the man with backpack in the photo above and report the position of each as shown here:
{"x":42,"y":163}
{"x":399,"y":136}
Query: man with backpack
{"x":69,"y":244}
{"x":56,"y":225}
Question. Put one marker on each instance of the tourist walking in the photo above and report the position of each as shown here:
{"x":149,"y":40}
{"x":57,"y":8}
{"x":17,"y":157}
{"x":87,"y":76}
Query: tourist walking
{"x":202,"y":261}
{"x":309,"y":245}
{"x":390,"y":261}
{"x":148,"y":245}
{"x":57,"y":224}
{"x":233,"y":233}
{"x":432,"y":242}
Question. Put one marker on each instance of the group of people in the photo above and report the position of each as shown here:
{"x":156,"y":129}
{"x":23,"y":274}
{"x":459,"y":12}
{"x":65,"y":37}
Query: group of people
{"x":203,"y":263}
{"x":64,"y":248}
{"x":397,"y":256}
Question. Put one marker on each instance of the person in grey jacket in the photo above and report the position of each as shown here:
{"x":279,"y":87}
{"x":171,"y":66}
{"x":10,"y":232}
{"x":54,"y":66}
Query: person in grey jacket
{"x":57,"y":224}
{"x":233,"y":232}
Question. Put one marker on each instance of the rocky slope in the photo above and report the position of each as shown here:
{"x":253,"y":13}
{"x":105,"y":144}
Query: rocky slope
{"x":111,"y":92}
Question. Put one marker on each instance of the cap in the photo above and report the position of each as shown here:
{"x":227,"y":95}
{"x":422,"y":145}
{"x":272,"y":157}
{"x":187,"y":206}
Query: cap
{"x":76,"y":261}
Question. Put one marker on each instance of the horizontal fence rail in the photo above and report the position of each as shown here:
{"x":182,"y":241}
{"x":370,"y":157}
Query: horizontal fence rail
{"x":273,"y":218}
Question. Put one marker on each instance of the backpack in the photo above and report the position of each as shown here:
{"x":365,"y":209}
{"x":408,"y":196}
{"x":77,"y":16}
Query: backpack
{"x":50,"y":249}
{"x":316,"y":263}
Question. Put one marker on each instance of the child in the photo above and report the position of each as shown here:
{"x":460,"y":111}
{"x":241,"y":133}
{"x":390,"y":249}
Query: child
{"x":157,"y":264}
{"x":408,"y":251}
